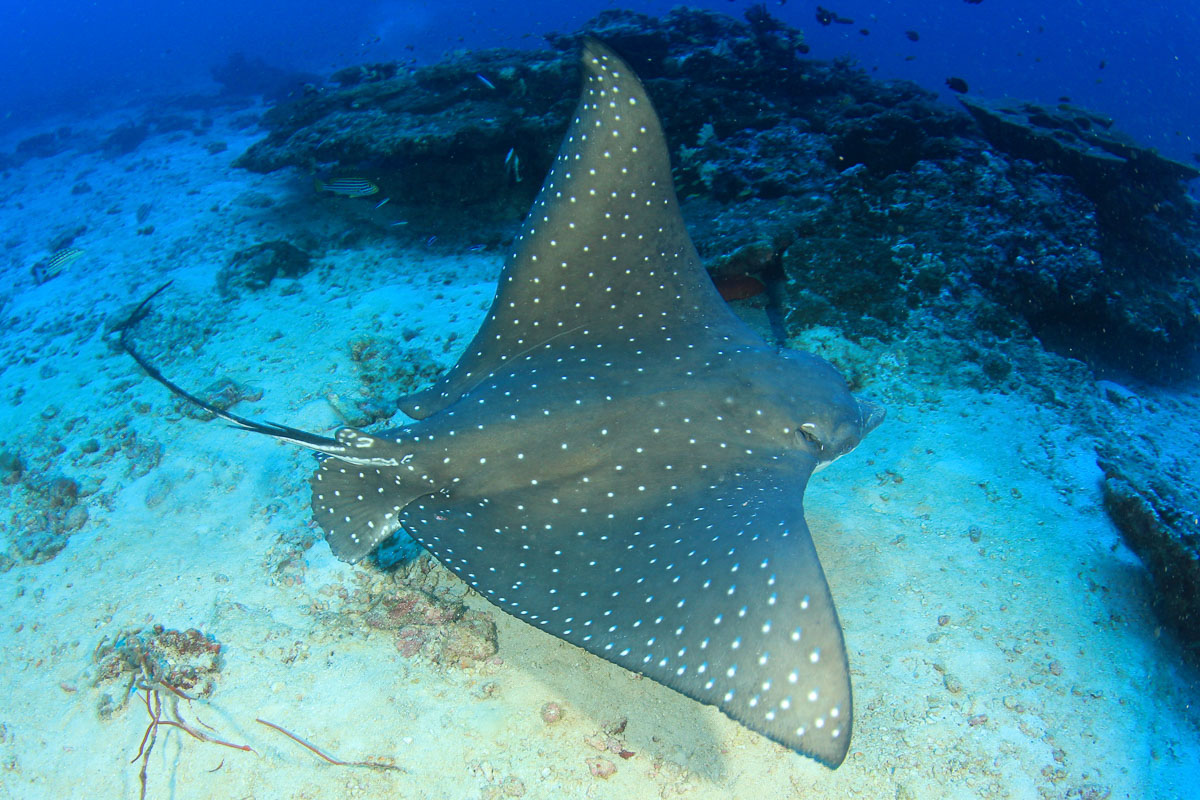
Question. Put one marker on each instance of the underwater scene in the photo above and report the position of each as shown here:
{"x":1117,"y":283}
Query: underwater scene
{"x":440,"y":400}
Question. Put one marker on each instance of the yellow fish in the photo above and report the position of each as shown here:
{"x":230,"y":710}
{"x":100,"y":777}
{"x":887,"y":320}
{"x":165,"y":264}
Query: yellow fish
{"x":347,"y":187}
{"x":53,"y":266}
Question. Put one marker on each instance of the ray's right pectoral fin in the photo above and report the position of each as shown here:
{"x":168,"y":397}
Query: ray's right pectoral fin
{"x":358,"y":505}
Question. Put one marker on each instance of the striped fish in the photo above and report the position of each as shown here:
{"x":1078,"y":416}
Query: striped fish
{"x":347,"y":187}
{"x":53,"y":266}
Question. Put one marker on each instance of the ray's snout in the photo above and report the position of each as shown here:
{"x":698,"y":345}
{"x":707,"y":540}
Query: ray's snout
{"x":832,"y":421}
{"x":872,"y":414}
{"x":848,"y":429}
{"x":850,"y":432}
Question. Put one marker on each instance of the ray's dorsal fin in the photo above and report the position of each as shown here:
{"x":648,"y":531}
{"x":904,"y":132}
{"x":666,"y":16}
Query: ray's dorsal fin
{"x":604,"y":253}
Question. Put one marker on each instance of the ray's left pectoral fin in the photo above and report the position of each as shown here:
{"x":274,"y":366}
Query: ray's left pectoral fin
{"x":793,"y":686}
{"x":761,"y":639}
{"x":716,"y":592}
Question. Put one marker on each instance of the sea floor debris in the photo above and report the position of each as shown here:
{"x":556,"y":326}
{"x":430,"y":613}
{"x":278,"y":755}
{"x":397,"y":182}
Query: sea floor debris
{"x":153,"y":663}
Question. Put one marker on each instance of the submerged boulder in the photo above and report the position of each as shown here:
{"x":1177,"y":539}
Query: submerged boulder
{"x":256,"y":266}
{"x":1156,"y":512}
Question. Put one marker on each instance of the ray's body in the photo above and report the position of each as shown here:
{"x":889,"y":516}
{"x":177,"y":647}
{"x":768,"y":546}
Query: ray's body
{"x":616,"y":459}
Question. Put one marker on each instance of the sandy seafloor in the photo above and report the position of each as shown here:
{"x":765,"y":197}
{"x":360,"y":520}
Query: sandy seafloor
{"x":1048,"y":676}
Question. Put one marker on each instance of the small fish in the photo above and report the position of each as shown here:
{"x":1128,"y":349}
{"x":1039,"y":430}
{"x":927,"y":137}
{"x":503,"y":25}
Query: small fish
{"x":512,"y":165}
{"x":53,"y":266}
{"x":346,"y":187}
{"x":429,"y":242}
{"x":382,"y":202}
{"x":956,"y":85}
{"x":485,"y":81}
{"x":913,"y":36}
{"x":827,"y":17}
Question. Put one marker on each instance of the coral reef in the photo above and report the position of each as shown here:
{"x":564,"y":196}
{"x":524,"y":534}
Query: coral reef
{"x":431,"y":620}
{"x":440,"y":628}
{"x":388,"y":371}
{"x":423,"y":137}
{"x":124,"y":139}
{"x":1114,"y":171}
{"x":870,"y":251}
{"x":223,"y":393}
{"x":43,"y":511}
{"x":1157,"y":517}
{"x":414,"y":602}
{"x":871,"y":198}
{"x":44,"y":145}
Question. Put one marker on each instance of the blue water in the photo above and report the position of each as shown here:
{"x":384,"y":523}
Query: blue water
{"x":67,"y":53}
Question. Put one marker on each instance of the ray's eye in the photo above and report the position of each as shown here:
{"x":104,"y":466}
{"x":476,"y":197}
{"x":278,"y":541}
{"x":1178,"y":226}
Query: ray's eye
{"x":808,"y":432}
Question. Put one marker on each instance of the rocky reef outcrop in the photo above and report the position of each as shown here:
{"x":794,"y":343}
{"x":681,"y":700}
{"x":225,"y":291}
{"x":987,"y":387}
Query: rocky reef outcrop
{"x":1115,"y":172}
{"x":836,"y":182}
{"x":1151,"y":494}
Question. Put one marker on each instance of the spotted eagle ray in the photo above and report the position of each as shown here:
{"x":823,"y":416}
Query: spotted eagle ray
{"x":617,"y":459}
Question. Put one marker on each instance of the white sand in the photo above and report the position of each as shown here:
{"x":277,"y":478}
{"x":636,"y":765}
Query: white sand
{"x":1050,"y":648}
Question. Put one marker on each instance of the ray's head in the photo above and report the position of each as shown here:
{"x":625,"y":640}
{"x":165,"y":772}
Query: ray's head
{"x":830,"y":421}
